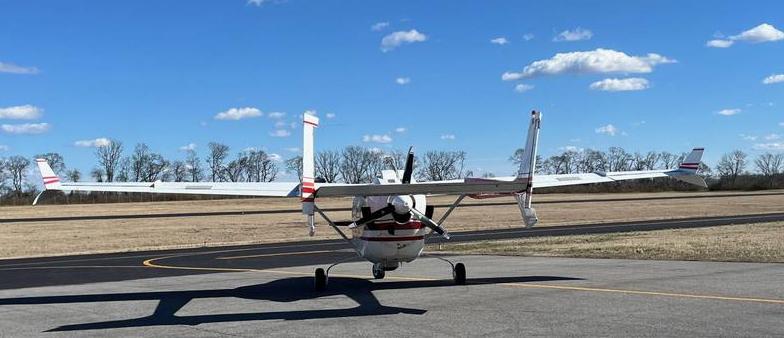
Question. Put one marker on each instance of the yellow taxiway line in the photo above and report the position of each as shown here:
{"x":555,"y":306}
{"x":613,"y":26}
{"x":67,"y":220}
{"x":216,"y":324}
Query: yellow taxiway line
{"x":150,"y":263}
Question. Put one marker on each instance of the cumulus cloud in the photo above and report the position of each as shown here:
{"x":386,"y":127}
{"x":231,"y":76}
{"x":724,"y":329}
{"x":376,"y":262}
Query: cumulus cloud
{"x":618,"y":85}
{"x":396,"y":39}
{"x":528,"y":37}
{"x":379,"y":26}
{"x":596,"y":61}
{"x":522,"y":87}
{"x":574,"y":35}
{"x":748,"y":137}
{"x":330,"y":115}
{"x":400,"y":130}
{"x":776,"y":146}
{"x":762,"y":33}
{"x":275,"y":157}
{"x":276,"y":115}
{"x":238,"y":113}
{"x":775,"y":78}
{"x":27,"y":128}
{"x":403,"y":80}
{"x":729,"y":111}
{"x":280,"y":133}
{"x":449,"y":137}
{"x":499,"y":41}
{"x":188,"y":147}
{"x":15,"y":69}
{"x":609,"y":129}
{"x":771,"y":137}
{"x":26,"y":112}
{"x":375,"y":138}
{"x":99,"y":142}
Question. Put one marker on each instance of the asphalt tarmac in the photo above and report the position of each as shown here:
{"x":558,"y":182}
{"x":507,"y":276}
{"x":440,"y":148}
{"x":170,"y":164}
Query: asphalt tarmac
{"x":268,"y":290}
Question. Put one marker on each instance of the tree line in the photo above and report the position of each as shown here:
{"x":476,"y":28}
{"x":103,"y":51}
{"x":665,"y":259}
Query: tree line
{"x":356,"y":164}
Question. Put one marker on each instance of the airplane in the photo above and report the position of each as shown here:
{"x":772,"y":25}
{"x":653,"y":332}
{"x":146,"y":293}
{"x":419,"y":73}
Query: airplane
{"x":390,"y":216}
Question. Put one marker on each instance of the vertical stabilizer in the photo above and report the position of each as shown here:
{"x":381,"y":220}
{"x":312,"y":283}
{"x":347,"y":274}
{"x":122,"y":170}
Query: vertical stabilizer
{"x":527,"y":169}
{"x":308,"y":185}
{"x":51,"y":181}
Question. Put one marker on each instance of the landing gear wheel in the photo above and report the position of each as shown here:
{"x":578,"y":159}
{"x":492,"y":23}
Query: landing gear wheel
{"x":459,"y":273}
{"x":321,"y":280}
{"x":378,"y":272}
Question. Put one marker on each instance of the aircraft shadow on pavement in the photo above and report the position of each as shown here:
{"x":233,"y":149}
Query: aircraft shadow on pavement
{"x":282,"y":290}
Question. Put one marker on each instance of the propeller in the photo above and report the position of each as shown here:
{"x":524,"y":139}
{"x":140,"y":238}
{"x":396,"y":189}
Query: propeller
{"x":409,"y":167}
{"x":374,"y":215}
{"x":430,"y":223}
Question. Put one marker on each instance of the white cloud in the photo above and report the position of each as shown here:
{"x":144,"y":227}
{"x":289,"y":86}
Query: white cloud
{"x":276,"y":115}
{"x":595,"y":61}
{"x":377,"y":138}
{"x":15,"y":69}
{"x":748,"y":137}
{"x":293,"y":150}
{"x":572,"y":148}
{"x":400,"y":130}
{"x":27,"y":128}
{"x":280,"y":133}
{"x":762,"y":33}
{"x":719,"y":43}
{"x":330,"y":115}
{"x":379,"y":26}
{"x":403,"y":80}
{"x":281,"y":124}
{"x":528,"y":37}
{"x":522,"y":87}
{"x":238,"y":113}
{"x":26,"y":112}
{"x":275,"y":157}
{"x":99,"y":142}
{"x":609,"y":129}
{"x":4,"y":147}
{"x":449,"y":137}
{"x":617,"y":85}
{"x":189,"y":146}
{"x":574,"y":35}
{"x":769,"y":146}
{"x":396,"y":39}
{"x":729,"y":111}
{"x":781,"y":124}
{"x":258,"y":3}
{"x":771,"y":137}
{"x":499,"y":41}
{"x":775,"y":78}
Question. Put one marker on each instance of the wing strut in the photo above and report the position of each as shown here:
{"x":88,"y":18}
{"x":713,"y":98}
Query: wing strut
{"x":527,"y":170}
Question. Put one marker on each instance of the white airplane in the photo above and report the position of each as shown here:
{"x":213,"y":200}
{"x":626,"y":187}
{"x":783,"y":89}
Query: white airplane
{"x":391,"y":215}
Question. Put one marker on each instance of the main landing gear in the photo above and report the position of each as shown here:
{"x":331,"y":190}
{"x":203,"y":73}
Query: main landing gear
{"x":458,"y":274}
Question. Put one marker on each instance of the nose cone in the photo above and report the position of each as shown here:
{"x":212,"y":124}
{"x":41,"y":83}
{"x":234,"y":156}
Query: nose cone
{"x":402,"y":204}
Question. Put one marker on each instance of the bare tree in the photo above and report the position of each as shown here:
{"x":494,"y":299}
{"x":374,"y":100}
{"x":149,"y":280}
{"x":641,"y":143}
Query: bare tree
{"x":55,"y":161}
{"x":731,"y":165}
{"x":97,"y":174}
{"x":73,"y":175}
{"x":218,"y":154}
{"x":123,"y":172}
{"x":235,"y":169}
{"x":667,"y":160}
{"x":769,"y":165}
{"x":260,"y":167}
{"x":618,"y":159}
{"x":356,"y":164}
{"x":17,"y":167}
{"x":193,"y":166}
{"x":108,"y":157}
{"x":294,"y":165}
{"x":328,"y":165}
{"x":179,"y":171}
{"x":442,"y":165}
{"x":139,"y":161}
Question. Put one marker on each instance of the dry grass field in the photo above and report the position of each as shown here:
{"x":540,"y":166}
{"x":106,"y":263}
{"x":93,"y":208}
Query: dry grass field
{"x":23,"y":239}
{"x":762,"y":242}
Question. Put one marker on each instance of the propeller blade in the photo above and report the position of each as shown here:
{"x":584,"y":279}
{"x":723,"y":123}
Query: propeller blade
{"x":409,"y":167}
{"x":430,"y":223}
{"x":375,"y":215}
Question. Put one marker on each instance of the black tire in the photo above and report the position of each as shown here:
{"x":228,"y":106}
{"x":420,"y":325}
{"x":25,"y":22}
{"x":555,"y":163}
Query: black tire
{"x":460,"y":274}
{"x":321,"y":280}
{"x":378,"y":273}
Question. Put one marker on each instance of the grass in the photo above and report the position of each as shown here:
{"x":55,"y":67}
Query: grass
{"x":762,"y":242}
{"x":43,"y":238}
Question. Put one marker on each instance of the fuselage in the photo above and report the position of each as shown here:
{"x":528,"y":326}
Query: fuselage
{"x":393,"y":239}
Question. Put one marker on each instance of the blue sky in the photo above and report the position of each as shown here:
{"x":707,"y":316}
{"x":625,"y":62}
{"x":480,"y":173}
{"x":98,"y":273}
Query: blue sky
{"x":161,"y":71}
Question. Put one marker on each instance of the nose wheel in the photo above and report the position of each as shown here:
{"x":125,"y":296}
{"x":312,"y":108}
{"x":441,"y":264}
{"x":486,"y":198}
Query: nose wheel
{"x":378,"y":271}
{"x":459,"y":274}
